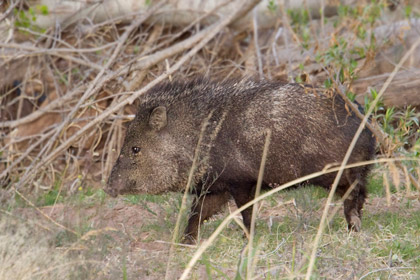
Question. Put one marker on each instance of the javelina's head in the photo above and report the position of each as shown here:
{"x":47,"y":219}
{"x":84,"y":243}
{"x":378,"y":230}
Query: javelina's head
{"x":151,"y":159}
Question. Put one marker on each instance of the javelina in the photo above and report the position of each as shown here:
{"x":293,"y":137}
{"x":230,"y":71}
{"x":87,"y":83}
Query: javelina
{"x":309,"y":131}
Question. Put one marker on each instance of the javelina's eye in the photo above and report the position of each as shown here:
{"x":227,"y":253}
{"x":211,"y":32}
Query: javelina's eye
{"x":135,"y":150}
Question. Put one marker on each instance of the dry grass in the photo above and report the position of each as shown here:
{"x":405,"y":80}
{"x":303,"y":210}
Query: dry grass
{"x":26,"y":252}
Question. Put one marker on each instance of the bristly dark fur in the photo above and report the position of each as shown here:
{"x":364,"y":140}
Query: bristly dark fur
{"x":309,"y":131}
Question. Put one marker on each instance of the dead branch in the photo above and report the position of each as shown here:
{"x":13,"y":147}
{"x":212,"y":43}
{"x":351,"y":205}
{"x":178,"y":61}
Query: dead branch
{"x":205,"y":35}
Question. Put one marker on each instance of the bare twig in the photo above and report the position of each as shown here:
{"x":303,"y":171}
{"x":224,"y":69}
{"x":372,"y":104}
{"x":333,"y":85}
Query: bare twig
{"x":45,"y":216}
{"x":9,"y":10}
{"x":383,"y":269}
{"x":257,"y":47}
{"x":255,"y":207}
{"x":32,"y":49}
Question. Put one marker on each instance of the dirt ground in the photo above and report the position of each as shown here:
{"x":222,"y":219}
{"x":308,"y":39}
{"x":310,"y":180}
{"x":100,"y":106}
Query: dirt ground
{"x":137,"y":238}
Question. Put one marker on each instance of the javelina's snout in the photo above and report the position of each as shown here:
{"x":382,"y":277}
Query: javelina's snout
{"x":112,"y":192}
{"x":114,"y":185}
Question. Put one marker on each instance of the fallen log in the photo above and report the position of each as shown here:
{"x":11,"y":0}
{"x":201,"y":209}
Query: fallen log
{"x":404,"y":89}
{"x":177,"y":13}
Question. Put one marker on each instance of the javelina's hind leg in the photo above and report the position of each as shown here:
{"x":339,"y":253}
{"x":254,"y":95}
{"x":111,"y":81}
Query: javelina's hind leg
{"x":203,"y":207}
{"x":243,"y":195}
{"x":353,"y":205}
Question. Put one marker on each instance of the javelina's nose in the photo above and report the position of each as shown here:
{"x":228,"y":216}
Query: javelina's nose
{"x":111,"y":191}
{"x":114,"y":185}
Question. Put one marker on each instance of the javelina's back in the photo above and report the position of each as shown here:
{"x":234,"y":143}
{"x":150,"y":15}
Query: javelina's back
{"x":309,"y":131}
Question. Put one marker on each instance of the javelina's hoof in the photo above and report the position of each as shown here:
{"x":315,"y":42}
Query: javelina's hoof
{"x":355,"y":224}
{"x":188,"y":240}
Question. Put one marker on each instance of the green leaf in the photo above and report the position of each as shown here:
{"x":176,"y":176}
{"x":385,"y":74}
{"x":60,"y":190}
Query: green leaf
{"x":43,"y":9}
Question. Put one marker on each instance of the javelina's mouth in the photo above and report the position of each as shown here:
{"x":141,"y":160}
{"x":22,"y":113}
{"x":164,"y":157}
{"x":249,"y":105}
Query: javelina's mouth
{"x":119,"y":187}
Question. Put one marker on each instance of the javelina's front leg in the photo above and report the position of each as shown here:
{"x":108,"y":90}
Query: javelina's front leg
{"x":203,"y":207}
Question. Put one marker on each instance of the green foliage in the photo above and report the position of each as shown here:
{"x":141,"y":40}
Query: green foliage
{"x":340,"y":56}
{"x":375,"y":186}
{"x":90,"y":196}
{"x":402,"y":129}
{"x":212,"y":271}
{"x":43,"y":9}
{"x":398,"y":247}
{"x":368,"y":102}
{"x":54,"y":195}
{"x":64,"y":238}
{"x":24,"y":19}
{"x":300,"y":23}
{"x":344,"y":52}
{"x":124,"y":268}
{"x":132,"y":198}
{"x":27,"y":19}
{"x":407,"y":11}
{"x":272,"y":6}
{"x":328,"y":83}
{"x":367,"y":14}
{"x":351,"y":95}
{"x":306,"y":194}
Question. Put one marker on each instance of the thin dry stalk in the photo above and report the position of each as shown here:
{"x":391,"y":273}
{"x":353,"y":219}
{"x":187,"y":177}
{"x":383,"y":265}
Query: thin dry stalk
{"x":138,"y":76}
{"x":255,"y":207}
{"x":387,"y":190}
{"x":86,"y":236}
{"x":322,"y":17}
{"x":48,"y":108}
{"x":34,"y":51}
{"x":183,"y":207}
{"x":21,"y":219}
{"x":137,"y":81}
{"x":14,"y":163}
{"x":67,"y":264}
{"x":257,"y":46}
{"x":383,"y":269}
{"x":9,"y":10}
{"x":418,"y":176}
{"x":395,"y":176}
{"x":45,"y":216}
{"x":407,"y":182}
{"x":336,"y":208}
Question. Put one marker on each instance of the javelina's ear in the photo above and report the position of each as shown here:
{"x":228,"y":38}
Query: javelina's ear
{"x":157,"y":119}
